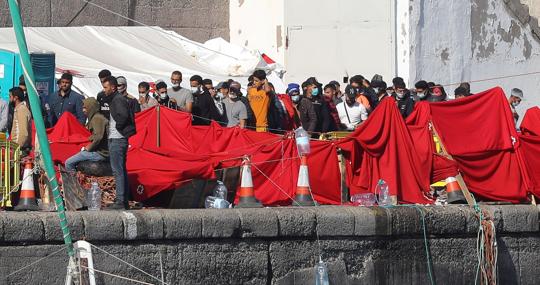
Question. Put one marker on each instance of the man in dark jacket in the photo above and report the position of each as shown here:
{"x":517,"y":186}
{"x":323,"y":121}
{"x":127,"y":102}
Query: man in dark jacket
{"x":97,"y":149}
{"x":306,"y":112}
{"x":206,"y":110}
{"x":102,"y":99}
{"x":66,"y":100}
{"x":403,"y":98}
{"x":121,"y":127}
{"x":325,"y":123}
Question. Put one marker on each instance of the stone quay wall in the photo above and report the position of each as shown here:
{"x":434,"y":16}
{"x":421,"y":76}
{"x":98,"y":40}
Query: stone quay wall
{"x":275,"y":245}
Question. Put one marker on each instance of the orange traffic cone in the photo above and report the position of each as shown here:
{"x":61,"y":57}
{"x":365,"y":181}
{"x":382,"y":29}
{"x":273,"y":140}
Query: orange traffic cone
{"x":27,"y":199}
{"x":247,"y":196}
{"x":453,"y":190}
{"x":303,"y":195}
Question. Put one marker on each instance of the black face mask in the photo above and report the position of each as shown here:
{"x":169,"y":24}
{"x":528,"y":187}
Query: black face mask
{"x":351,"y":99}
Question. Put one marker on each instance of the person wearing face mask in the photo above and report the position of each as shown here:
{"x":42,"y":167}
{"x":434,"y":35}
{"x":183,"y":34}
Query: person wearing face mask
{"x":235,"y":110}
{"x":305,"y":111}
{"x":66,"y":100}
{"x":219,"y":95}
{"x":516,"y":95}
{"x":404,"y":101}
{"x":325,"y":123}
{"x":351,"y":112}
{"x":359,"y":83}
{"x":181,"y":96}
{"x":379,"y":88}
{"x":250,"y":115}
{"x":122,"y":89}
{"x":146,"y":101}
{"x":162,"y":97}
{"x":423,"y":92}
{"x":206,"y":110}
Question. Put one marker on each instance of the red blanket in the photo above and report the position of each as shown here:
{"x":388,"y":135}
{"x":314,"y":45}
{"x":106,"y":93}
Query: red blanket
{"x":479,"y":132}
{"x":382,"y":148}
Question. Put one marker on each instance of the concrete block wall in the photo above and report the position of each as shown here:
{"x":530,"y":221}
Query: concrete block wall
{"x":276,"y":245}
{"x":199,"y":20}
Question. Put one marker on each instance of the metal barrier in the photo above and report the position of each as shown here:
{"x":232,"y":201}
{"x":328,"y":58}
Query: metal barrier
{"x":10,"y":170}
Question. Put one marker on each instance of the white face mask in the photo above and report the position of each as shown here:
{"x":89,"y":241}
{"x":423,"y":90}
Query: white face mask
{"x":142,"y":94}
{"x":163,"y":95}
{"x":389,"y":93}
{"x":122,"y":89}
{"x":220,"y":95}
{"x":515,"y":104}
{"x":194,"y":89}
{"x":175,"y":85}
{"x":400,"y":95}
{"x":233,"y":97}
{"x":422,"y":95}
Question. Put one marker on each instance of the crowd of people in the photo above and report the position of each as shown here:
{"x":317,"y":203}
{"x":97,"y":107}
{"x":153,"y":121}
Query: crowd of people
{"x":110,"y":117}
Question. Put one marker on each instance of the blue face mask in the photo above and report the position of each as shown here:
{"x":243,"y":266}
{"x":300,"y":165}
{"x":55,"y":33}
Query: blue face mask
{"x":315,"y":92}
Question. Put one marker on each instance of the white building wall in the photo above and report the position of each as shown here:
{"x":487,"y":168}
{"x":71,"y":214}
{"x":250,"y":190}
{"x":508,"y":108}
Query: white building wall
{"x":326,"y":39}
{"x":473,"y":40}
{"x":259,"y":25}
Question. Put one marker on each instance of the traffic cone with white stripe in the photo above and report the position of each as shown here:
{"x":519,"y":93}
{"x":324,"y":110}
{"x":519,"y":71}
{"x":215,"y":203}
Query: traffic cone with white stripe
{"x":454,"y":192}
{"x":27,"y":199}
{"x":247,"y":196}
{"x":303,"y":194}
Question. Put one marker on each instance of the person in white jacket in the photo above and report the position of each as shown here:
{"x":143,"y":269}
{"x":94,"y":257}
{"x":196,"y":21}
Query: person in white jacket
{"x":351,"y":113}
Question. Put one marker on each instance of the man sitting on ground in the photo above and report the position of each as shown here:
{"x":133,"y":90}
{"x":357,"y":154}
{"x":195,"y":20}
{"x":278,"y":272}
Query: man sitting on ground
{"x":97,"y":149}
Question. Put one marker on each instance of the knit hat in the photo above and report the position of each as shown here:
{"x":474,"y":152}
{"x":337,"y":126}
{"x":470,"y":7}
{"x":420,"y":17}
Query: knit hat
{"x":293,"y":88}
{"x":516,"y":92}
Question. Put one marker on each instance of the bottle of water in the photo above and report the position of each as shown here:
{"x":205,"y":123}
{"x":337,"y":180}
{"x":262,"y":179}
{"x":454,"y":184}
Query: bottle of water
{"x":321,"y":274}
{"x":220,"y":191}
{"x":93,"y":197}
{"x":302,"y":141}
{"x":213,"y":202}
{"x":383,"y":192}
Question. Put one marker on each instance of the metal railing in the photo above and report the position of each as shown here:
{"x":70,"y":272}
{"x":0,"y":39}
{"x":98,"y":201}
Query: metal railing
{"x":10,"y":170}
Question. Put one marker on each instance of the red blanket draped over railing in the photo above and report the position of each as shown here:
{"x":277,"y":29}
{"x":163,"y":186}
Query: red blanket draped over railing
{"x":478,"y":131}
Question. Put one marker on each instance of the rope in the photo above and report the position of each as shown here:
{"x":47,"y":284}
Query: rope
{"x":495,"y":78}
{"x":486,"y":249}
{"x":426,"y":245}
{"x":129,"y":264}
{"x":116,"y":275}
{"x":35,"y":262}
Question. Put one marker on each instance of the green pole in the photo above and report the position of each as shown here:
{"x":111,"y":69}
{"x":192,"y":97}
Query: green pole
{"x":38,"y":121}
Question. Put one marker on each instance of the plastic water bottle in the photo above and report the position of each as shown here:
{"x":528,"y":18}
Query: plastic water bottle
{"x":220,"y":191}
{"x":302,"y":141}
{"x":321,"y":274}
{"x":212,"y":202}
{"x":93,"y":197}
{"x":382,"y":190}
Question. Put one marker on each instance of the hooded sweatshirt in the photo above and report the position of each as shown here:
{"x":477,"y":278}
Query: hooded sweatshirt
{"x":98,"y":125}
